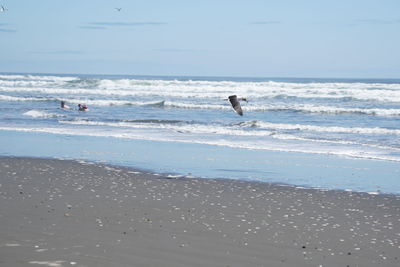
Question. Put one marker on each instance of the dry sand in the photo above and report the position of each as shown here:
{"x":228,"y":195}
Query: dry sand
{"x":70,"y":213}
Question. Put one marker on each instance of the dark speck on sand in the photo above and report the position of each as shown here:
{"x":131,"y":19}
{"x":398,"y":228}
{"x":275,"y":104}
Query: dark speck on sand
{"x":74,"y":213}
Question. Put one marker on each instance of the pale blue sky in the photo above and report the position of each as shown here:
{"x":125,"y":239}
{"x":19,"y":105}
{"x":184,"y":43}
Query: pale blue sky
{"x":251,"y":38}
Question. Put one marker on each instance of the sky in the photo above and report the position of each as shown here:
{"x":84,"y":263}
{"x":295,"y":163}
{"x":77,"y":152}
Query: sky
{"x":236,"y":38}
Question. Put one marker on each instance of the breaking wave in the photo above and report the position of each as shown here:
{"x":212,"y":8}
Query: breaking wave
{"x":358,"y":119}
{"x":341,"y":149}
{"x":222,"y":105}
{"x":263,"y":128}
{"x":42,"y":114}
{"x":322,"y":129}
{"x":382,"y":92}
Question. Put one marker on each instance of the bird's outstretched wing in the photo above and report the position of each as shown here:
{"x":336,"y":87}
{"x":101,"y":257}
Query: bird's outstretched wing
{"x":235,"y":104}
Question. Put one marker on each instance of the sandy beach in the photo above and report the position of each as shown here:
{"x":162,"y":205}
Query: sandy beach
{"x":72,"y":213}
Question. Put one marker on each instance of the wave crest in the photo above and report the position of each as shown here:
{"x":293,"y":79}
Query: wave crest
{"x":42,"y":114}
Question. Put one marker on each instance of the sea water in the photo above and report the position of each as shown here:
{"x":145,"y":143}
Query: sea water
{"x":326,"y":133}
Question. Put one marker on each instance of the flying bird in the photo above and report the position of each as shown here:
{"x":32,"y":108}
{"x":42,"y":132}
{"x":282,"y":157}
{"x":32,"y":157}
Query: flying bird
{"x":118,"y":8}
{"x":3,"y":9}
{"x":236,"y":104}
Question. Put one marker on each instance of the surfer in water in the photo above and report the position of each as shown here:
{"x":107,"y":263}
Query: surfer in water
{"x":64,"y":106}
{"x":82,"y":107}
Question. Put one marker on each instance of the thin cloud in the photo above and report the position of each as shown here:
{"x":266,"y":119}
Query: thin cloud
{"x":59,"y":52}
{"x":125,"y":24}
{"x":7,"y":30}
{"x":103,"y":25}
{"x":4,"y":28}
{"x":378,"y":21}
{"x":92,"y":27}
{"x":266,"y":22}
{"x":175,"y":50}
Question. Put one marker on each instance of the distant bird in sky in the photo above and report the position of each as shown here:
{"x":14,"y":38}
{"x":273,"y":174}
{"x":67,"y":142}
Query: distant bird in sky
{"x":236,"y":104}
{"x":118,"y":8}
{"x":3,"y":9}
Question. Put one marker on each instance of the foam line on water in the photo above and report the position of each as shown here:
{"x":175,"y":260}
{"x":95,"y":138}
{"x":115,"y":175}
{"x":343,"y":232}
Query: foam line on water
{"x":142,"y":134}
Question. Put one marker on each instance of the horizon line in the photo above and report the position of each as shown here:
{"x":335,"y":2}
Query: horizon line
{"x":202,"y":76}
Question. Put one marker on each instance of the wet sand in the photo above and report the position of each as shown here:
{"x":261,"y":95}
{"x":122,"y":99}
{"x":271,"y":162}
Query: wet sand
{"x":71,"y":213}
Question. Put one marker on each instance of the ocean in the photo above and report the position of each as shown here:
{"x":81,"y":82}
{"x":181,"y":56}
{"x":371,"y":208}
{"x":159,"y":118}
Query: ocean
{"x":325,"y":133}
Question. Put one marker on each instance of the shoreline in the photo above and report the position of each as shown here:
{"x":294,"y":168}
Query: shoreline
{"x":76,"y":213}
{"x":207,"y":161}
{"x":176,"y":176}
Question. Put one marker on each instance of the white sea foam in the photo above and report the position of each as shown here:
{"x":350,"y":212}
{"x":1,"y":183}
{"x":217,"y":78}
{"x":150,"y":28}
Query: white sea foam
{"x":234,"y":130}
{"x":240,"y":129}
{"x":41,"y":114}
{"x":17,"y":98}
{"x":273,"y":130}
{"x":334,"y":142}
{"x":34,"y":85}
{"x":37,"y":77}
{"x":98,"y":102}
{"x":12,"y":245}
{"x":271,"y":145}
{"x":186,"y":105}
{"x":207,"y":89}
{"x":362,"y":91}
{"x":48,"y":263}
{"x":341,"y":118}
{"x":223,"y":105}
{"x":184,"y":128}
{"x":30,"y":99}
{"x":339,"y":110}
{"x":11,"y":77}
{"x":288,"y":107}
{"x":72,"y":91}
{"x":314,"y":128}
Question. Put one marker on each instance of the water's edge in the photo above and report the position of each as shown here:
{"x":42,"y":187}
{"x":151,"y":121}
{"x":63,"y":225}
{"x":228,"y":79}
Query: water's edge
{"x":205,"y":161}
